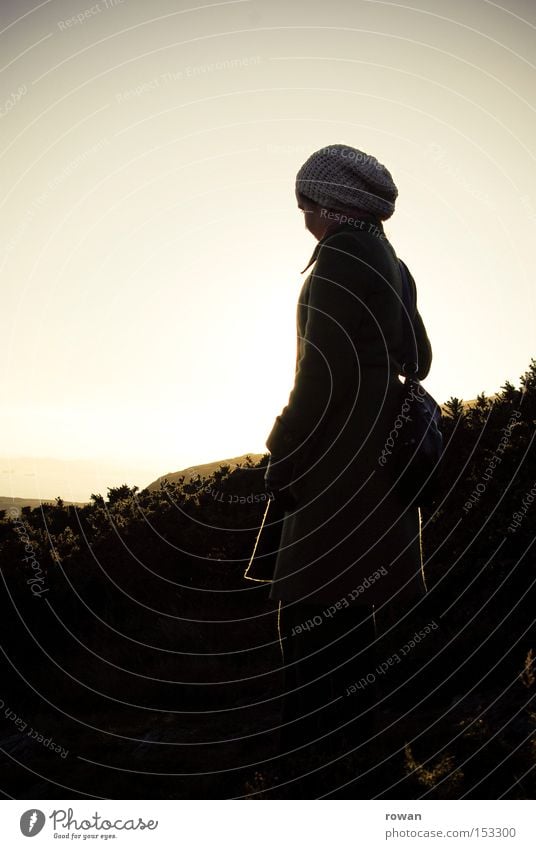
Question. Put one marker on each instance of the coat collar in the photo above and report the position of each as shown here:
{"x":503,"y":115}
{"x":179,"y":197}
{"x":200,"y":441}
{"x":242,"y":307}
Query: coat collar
{"x":313,"y":257}
{"x":350,"y":227}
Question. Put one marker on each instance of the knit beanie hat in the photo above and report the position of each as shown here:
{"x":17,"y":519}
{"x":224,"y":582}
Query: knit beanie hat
{"x":338,"y":175}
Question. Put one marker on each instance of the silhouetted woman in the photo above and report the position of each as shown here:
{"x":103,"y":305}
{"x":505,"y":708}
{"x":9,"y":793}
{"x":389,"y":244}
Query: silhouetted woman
{"x":349,"y":562}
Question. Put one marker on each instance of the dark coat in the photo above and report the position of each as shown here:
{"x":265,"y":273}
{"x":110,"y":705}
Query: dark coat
{"x":350,"y":538}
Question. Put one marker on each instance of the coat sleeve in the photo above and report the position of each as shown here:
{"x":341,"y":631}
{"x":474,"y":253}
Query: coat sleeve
{"x":328,"y":362}
{"x":424,"y":348}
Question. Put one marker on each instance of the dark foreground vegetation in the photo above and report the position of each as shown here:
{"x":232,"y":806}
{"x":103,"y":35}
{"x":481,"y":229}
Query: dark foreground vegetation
{"x":136,"y":661}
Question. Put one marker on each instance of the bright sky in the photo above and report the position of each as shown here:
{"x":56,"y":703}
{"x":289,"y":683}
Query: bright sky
{"x":152,"y":246}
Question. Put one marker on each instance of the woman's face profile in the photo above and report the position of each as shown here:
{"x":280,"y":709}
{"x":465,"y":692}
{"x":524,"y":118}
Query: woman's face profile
{"x":319,"y":220}
{"x":311,"y":214}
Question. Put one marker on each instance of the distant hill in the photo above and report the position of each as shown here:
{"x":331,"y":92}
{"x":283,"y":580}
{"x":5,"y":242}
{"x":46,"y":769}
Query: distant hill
{"x":39,"y":479}
{"x":6,"y":501}
{"x":205,"y":470}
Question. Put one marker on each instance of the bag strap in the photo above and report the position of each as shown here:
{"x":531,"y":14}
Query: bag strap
{"x":410,"y":364}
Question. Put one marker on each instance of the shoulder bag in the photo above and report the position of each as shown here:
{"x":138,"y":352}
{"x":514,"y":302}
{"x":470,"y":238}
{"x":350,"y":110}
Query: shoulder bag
{"x":418,"y":439}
